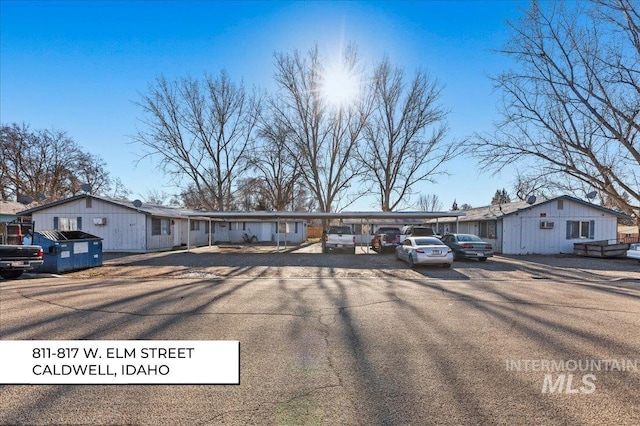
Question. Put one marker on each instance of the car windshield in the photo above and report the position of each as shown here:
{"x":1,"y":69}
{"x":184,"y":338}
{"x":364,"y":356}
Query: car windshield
{"x":389,"y":231}
{"x":339,"y":230}
{"x":428,"y":242}
{"x":465,"y":238}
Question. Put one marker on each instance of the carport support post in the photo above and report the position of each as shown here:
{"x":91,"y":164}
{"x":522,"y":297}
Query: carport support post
{"x":278,"y":235}
{"x":209,"y":232}
{"x":188,"y":232}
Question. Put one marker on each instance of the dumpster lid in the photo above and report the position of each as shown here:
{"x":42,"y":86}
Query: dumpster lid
{"x":66,"y":235}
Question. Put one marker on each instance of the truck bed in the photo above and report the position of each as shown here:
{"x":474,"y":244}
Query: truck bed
{"x":339,"y":237}
{"x":15,"y":259}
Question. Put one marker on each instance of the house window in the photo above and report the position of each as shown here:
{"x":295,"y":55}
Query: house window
{"x":487,"y":229}
{"x":560,"y":204}
{"x":283,"y":227}
{"x":577,"y":229}
{"x":67,"y":223}
{"x":155,"y":227}
{"x":165,"y":226}
{"x":195,"y":225}
{"x":87,"y":202}
{"x":160,"y":226}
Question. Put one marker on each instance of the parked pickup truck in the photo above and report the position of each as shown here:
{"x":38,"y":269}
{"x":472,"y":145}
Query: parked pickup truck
{"x":14,"y":260}
{"x":417,"y":231}
{"x":339,"y":237}
{"x":387,"y":238}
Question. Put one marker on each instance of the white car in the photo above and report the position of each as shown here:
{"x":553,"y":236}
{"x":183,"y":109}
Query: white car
{"x":634,"y":251}
{"x":424,"y":251}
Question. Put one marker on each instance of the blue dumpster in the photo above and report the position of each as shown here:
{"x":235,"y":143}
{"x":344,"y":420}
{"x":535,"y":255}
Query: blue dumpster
{"x":68,"y":250}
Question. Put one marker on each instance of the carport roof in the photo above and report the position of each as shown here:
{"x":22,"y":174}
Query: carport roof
{"x":276,"y":215}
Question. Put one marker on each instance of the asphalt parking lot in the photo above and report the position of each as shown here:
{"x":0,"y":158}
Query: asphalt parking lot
{"x":342,"y":338}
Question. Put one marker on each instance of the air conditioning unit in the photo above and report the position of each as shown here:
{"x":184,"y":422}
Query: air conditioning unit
{"x":546,"y":224}
{"x":99,"y":221}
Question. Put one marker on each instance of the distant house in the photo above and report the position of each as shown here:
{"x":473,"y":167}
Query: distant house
{"x":8,"y":214}
{"x":548,"y":226}
{"x":144,"y":227}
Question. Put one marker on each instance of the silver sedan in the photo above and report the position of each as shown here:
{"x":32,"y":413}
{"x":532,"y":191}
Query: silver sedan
{"x":424,"y":251}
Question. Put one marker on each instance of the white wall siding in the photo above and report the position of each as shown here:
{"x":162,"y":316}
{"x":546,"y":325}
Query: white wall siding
{"x":160,"y":242}
{"x":197,"y":237}
{"x":523,"y":235}
{"x":124,"y":229}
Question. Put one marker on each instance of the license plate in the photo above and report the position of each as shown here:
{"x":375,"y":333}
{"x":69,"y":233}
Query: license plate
{"x":21,"y":263}
{"x":436,"y":252}
{"x":481,"y":255}
{"x":339,"y":246}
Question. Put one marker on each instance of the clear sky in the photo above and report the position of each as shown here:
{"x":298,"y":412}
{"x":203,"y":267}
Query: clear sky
{"x":78,"y":66}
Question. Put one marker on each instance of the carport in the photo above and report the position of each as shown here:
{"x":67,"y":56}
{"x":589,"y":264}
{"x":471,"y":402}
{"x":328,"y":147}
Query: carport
{"x":278,"y":216}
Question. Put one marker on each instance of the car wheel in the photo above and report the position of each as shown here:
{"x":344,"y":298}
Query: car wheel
{"x":410,"y":261}
{"x":11,"y":274}
{"x":483,"y":259}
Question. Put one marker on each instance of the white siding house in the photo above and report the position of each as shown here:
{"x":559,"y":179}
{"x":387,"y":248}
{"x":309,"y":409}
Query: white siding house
{"x":294,"y":232}
{"x":550,"y":226}
{"x":122,"y":226}
{"x":125,"y":227}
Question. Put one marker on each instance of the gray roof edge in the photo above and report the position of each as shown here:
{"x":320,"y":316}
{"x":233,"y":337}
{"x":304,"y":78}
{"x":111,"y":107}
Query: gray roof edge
{"x":576,"y":200}
{"x":124,"y":203}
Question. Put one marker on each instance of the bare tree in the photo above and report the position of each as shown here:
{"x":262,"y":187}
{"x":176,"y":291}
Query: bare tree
{"x":118,"y":190}
{"x":158,"y":197}
{"x":199,"y":131}
{"x":272,"y":160}
{"x":405,"y":135}
{"x":571,"y":109}
{"x":323,"y":139}
{"x":430,"y":203}
{"x":46,"y":163}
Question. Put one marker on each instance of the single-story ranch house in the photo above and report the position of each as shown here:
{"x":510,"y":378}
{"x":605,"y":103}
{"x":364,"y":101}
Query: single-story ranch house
{"x":548,"y":226}
{"x":127,"y":226}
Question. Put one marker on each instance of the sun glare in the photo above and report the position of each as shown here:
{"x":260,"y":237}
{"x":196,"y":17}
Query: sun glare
{"x":340,"y":86}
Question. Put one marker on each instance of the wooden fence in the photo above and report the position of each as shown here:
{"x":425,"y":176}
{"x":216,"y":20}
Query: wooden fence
{"x":314,"y":231}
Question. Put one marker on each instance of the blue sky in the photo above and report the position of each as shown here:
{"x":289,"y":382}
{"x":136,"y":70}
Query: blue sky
{"x":79,"y":66}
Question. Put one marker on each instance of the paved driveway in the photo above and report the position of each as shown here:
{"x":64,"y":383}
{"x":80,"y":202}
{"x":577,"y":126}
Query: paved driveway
{"x":344,"y":339}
